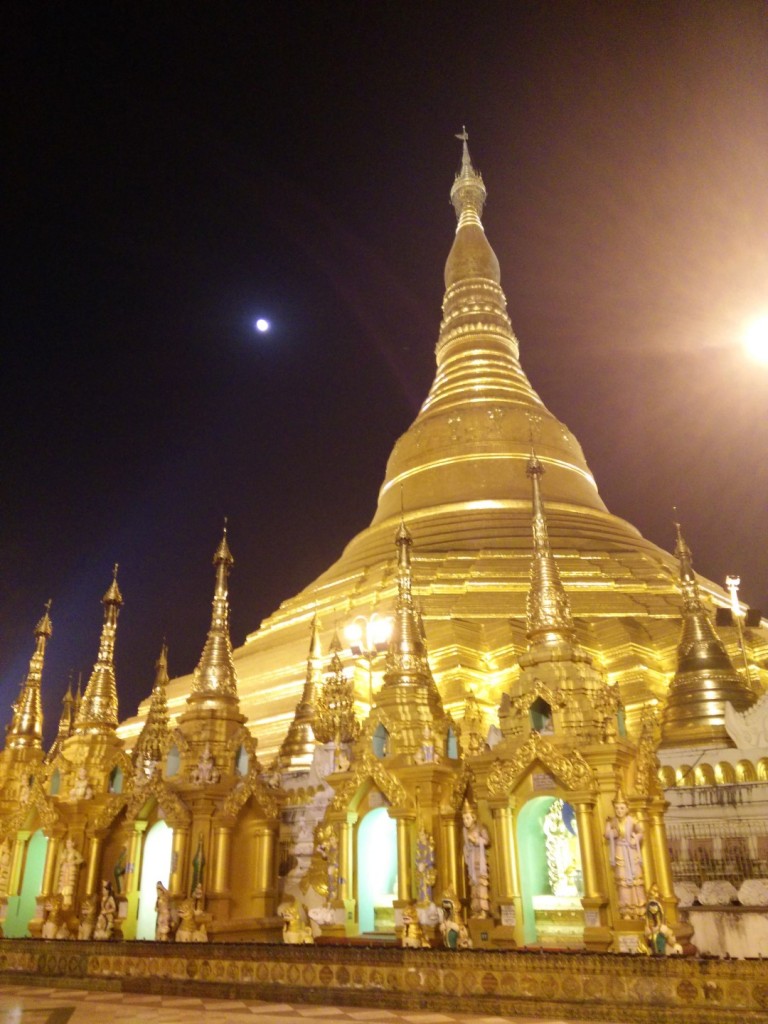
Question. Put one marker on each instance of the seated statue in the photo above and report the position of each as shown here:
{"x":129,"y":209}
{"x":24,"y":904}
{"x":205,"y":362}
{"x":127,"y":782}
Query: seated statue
{"x":296,"y":932}
{"x":190,"y":929}
{"x":81,"y":788}
{"x":206,"y":771}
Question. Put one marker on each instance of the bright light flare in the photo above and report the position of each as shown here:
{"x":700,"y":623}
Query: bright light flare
{"x":262,"y":325}
{"x":756,"y":339}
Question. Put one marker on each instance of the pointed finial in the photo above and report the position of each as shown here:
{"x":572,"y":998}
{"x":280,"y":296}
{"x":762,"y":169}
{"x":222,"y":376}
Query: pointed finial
{"x":222,"y":553}
{"x":113,"y":595}
{"x":468,"y":192}
{"x":215,"y":678}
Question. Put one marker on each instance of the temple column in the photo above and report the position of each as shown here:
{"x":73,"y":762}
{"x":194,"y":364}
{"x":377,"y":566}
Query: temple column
{"x":93,"y":867}
{"x":347,"y":885}
{"x":648,"y":851}
{"x":48,"y":885}
{"x":509,"y":934}
{"x":584,"y":811}
{"x":133,"y":879}
{"x":222,"y":847}
{"x":598,"y":935}
{"x":404,"y":869}
{"x":448,"y":862}
{"x":658,"y":844}
{"x":179,"y":848}
{"x":17,"y":859}
{"x":265,"y":889}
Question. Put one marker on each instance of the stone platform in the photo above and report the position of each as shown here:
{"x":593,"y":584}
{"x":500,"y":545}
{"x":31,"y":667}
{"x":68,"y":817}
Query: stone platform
{"x":568,"y":986}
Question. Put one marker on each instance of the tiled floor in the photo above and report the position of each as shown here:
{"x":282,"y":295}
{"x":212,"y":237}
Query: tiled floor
{"x":20,"y":1005}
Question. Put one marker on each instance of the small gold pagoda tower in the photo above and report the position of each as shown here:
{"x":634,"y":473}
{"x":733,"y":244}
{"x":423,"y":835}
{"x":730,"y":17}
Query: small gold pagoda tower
{"x":705,"y":680}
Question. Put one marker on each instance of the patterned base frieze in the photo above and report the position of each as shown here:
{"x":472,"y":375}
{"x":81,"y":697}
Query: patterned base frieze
{"x":598,"y":987}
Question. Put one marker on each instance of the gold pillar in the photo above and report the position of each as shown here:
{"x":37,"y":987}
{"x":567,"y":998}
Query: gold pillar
{"x":346,"y":882}
{"x":49,"y":883}
{"x":404,"y":872}
{"x":265,"y":881}
{"x":14,"y":878}
{"x":133,"y":878}
{"x":506,"y":864}
{"x":222,"y":845}
{"x":451,"y":877}
{"x":135,"y":849}
{"x":661,"y":855}
{"x":179,"y":844}
{"x":93,"y":869}
{"x":648,"y":853}
{"x":587,"y":844}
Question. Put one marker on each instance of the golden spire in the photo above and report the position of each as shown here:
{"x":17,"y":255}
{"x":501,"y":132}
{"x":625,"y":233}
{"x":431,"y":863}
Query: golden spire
{"x":150,"y":748}
{"x":26,"y":728}
{"x":468,"y":193}
{"x":548,"y":611}
{"x":406,"y":664}
{"x":65,"y":722}
{"x":468,"y":443}
{"x":705,"y":680}
{"x":97,"y":710}
{"x":335,"y":712}
{"x":298,"y":747}
{"x":215,"y":678}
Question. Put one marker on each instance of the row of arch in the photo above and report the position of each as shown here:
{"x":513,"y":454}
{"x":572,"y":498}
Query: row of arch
{"x":721,"y":774}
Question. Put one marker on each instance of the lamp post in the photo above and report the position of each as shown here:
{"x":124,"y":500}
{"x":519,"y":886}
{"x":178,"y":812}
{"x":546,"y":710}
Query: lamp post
{"x":368,"y":636}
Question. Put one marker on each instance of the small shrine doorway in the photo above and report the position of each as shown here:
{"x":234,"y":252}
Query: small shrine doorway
{"x":550,"y":873}
{"x":155,"y":867}
{"x":21,"y":908}
{"x":376,"y":872}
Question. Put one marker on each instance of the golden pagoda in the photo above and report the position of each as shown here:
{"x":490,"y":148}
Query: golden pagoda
{"x":459,"y":476}
{"x":705,"y":680}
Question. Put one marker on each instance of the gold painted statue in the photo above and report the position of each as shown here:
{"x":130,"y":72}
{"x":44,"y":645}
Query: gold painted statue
{"x":476,"y":842}
{"x":163,"y":908}
{"x":71,"y":859}
{"x":625,"y":838}
{"x":105,"y":923}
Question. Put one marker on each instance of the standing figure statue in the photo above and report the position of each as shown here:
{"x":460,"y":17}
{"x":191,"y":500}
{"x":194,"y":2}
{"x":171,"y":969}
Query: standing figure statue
{"x":163,"y":908}
{"x":119,"y":871}
{"x":105,"y":922}
{"x":198,"y":866}
{"x":71,"y":859}
{"x":476,"y":842}
{"x":625,"y":839}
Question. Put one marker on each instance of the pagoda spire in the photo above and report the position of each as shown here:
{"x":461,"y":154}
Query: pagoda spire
{"x":149,"y":749}
{"x":298,"y":747}
{"x":215,"y":679}
{"x":26,"y":729}
{"x":705,"y":680}
{"x":65,"y":721}
{"x":549,"y":622}
{"x":468,"y":442}
{"x":407,"y":675}
{"x":335,"y":720}
{"x":97,"y":711}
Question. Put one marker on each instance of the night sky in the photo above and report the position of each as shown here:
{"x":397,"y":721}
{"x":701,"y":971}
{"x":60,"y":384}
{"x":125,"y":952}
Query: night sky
{"x":174,"y":170}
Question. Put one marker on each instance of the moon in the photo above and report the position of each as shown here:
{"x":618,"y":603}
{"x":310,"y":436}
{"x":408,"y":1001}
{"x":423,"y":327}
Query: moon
{"x":756,"y":339}
{"x":262,"y":325}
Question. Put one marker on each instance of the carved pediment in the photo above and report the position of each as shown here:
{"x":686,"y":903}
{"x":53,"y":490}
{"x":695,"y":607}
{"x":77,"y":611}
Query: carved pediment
{"x":175,"y":810}
{"x":570,"y":770}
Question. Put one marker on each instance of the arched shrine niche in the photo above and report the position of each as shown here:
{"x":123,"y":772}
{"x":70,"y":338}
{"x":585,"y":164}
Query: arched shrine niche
{"x":376,"y":868}
{"x":550,"y":873}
